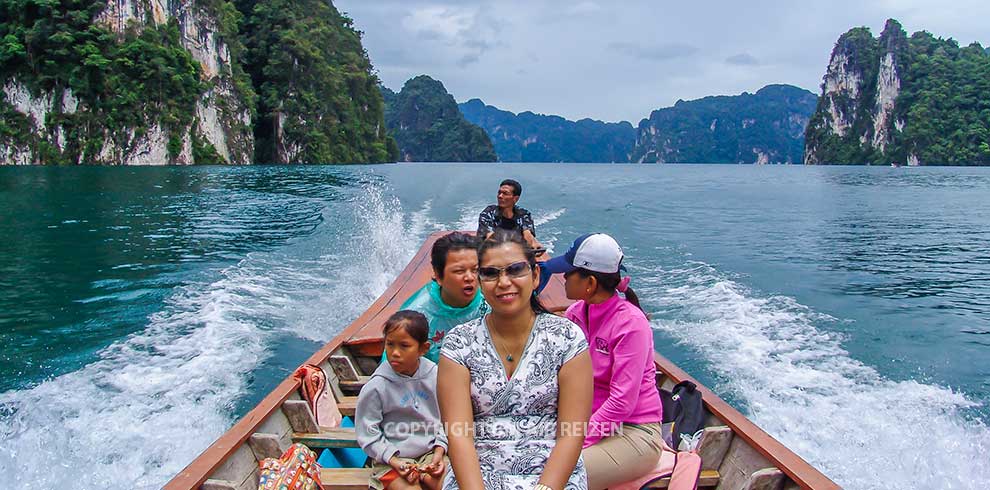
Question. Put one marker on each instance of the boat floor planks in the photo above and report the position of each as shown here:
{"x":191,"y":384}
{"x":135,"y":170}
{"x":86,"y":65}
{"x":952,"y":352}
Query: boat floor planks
{"x":737,"y":454}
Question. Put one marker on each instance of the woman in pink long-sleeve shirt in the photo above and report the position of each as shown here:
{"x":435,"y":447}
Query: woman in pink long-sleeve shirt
{"x":624,"y":439}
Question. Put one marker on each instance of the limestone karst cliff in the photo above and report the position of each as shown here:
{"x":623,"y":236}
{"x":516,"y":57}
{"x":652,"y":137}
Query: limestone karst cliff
{"x":122,"y":82}
{"x":918,"y":100}
{"x":131,"y":82}
{"x":428,"y":126}
{"x":765,"y":127}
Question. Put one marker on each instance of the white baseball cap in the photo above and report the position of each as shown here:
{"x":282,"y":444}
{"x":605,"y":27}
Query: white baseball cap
{"x":595,"y":252}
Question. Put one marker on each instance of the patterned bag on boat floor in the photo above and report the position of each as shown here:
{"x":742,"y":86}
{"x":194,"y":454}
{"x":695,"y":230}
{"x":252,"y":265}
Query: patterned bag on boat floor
{"x":295,"y":470}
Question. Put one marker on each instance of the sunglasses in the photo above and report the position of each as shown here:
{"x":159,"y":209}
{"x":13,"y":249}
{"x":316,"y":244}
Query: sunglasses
{"x":517,"y":269}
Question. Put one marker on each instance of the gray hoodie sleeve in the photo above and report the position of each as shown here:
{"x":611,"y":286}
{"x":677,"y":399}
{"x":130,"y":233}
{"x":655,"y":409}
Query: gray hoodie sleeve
{"x":368,"y":420}
{"x":441,"y":438}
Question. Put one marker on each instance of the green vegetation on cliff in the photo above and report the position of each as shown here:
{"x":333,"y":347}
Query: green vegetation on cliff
{"x":79,"y":87}
{"x":939,"y":115}
{"x":123,"y":84}
{"x":318,"y":98}
{"x":429,"y":127}
{"x":944,"y":103}
{"x":765,"y":127}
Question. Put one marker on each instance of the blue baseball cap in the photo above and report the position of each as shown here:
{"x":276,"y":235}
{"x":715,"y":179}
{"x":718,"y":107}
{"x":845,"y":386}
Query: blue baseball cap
{"x":595,"y":252}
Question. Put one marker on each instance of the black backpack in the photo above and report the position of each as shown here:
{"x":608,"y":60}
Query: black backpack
{"x":683,"y":407}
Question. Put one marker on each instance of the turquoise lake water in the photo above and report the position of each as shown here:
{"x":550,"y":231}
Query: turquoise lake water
{"x":143,"y":310}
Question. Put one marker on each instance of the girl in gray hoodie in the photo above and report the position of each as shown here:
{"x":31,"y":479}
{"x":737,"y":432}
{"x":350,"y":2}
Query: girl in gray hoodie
{"x":398,"y":418}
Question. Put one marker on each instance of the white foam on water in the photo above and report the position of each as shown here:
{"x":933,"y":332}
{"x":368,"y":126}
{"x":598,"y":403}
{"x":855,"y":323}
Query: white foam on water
{"x":469,"y":215}
{"x":862,"y":430}
{"x":543,"y":219}
{"x":155,"y":400}
{"x":385,"y":243}
{"x":359,"y":268}
{"x":421,"y":220}
{"x":151,"y":402}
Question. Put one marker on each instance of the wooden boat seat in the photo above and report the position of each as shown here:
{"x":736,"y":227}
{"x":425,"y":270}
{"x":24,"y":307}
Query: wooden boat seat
{"x":345,"y":478}
{"x":353,"y":386}
{"x":327,"y":438}
{"x":708,"y":479}
{"x":347,"y":405}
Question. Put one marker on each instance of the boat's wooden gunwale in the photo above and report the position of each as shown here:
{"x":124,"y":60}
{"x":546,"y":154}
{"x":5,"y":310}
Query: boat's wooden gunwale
{"x":197,"y":472}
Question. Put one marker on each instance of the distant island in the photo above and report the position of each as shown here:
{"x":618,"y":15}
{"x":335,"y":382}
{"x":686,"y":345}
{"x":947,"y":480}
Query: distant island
{"x":529,"y":137}
{"x":916,"y":100}
{"x":766,"y":127}
{"x":428,"y":127}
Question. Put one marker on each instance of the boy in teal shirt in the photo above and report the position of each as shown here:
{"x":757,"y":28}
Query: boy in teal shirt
{"x":452,"y":297}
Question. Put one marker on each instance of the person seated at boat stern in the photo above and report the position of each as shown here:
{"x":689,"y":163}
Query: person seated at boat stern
{"x":452,"y":297}
{"x":624,"y":435}
{"x":515,"y":385}
{"x":506,"y":215}
{"x":398,"y":419}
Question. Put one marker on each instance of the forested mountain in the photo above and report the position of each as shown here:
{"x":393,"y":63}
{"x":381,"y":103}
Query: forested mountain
{"x":425,"y":122}
{"x":318,"y":100}
{"x":919,"y":99}
{"x":529,"y":137}
{"x":185,"y":81}
{"x":765,"y":127}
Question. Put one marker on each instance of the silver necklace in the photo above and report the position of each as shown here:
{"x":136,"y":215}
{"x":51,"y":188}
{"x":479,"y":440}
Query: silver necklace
{"x":508,"y":355}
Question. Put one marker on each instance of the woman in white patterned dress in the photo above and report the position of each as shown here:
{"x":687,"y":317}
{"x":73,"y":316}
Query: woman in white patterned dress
{"x":514,"y":386}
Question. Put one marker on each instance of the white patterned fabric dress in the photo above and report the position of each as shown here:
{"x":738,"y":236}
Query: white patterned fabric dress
{"x":515,"y":420}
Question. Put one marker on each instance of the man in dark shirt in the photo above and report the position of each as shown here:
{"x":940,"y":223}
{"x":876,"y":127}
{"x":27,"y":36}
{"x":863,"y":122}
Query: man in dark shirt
{"x":507,"y":215}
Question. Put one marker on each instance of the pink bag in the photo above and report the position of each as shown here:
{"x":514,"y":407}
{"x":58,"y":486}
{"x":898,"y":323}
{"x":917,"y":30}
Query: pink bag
{"x":687,"y":471}
{"x":683,"y":468}
{"x":314,"y":389}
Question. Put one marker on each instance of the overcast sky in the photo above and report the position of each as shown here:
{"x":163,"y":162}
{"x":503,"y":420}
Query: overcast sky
{"x":618,"y":60}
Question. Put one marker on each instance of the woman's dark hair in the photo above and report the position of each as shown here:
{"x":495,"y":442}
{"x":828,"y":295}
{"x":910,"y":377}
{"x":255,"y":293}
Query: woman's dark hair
{"x":450,"y":242}
{"x":516,"y":186}
{"x":609,"y":281}
{"x":502,"y":237}
{"x":414,"y":323}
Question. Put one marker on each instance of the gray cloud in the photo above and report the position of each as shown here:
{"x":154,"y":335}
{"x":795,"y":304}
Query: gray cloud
{"x":655,"y":53}
{"x":582,"y":8}
{"x":620,"y":60}
{"x":742,"y":59}
{"x":467,"y":59}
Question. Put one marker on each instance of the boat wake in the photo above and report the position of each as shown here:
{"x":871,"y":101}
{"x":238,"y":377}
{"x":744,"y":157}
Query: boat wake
{"x":151,"y":402}
{"x":543,"y":219}
{"x":154,"y":400}
{"x":796,"y":381}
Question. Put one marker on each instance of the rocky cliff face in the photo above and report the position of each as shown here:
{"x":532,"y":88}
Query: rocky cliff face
{"x":859,"y":93}
{"x":223,"y":118}
{"x":765,"y":127}
{"x":886,"y":101}
{"x":219,"y":130}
